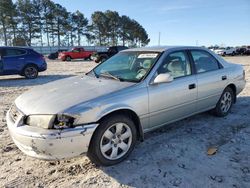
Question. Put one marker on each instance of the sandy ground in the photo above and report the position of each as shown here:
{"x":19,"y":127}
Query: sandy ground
{"x":174,"y":156}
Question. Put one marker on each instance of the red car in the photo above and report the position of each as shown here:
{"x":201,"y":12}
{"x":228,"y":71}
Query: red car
{"x":75,"y":53}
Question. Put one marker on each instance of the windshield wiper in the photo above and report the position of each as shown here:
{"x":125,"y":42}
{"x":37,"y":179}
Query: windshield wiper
{"x":109,"y":75}
{"x":93,"y":73}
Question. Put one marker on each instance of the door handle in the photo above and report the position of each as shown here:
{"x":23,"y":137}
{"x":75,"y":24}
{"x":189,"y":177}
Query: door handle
{"x":191,"y":86}
{"x":224,"y":77}
{"x":21,"y":58}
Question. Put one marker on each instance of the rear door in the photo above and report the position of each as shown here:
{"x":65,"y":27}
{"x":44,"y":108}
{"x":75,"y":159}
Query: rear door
{"x":211,"y":77}
{"x":13,"y":60}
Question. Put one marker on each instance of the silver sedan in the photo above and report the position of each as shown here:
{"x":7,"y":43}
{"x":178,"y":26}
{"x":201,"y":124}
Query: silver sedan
{"x":103,"y":113}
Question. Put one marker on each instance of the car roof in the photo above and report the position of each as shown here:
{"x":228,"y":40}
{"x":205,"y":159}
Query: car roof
{"x":16,"y":47}
{"x":163,"y":48}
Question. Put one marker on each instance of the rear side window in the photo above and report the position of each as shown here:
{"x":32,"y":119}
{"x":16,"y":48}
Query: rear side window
{"x":14,"y":52}
{"x":204,"y":62}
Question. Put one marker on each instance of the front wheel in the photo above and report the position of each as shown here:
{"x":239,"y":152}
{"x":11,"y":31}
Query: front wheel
{"x":68,"y":58}
{"x":225,"y":103}
{"x":103,"y":59}
{"x":113,"y":140}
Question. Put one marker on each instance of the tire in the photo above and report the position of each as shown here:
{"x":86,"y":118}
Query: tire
{"x":90,"y":58}
{"x":30,"y":72}
{"x":68,"y":58}
{"x":225,"y":103}
{"x":103,"y":59}
{"x":113,"y":140}
{"x":98,"y":60}
{"x":233,"y":54}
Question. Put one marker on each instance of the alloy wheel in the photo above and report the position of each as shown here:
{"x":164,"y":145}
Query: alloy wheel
{"x":226,"y":102}
{"x":116,"y":141}
{"x":30,"y":72}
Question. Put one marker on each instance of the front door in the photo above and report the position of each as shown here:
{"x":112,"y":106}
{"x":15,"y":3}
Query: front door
{"x":175,"y":100}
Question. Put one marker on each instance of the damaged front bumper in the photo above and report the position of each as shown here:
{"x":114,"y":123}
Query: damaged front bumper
{"x":50,"y":144}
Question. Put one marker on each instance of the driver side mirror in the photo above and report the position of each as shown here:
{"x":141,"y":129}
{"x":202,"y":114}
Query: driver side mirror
{"x":163,"y":78}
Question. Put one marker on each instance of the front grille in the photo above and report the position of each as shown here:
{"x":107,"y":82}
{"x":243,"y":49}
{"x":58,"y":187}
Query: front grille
{"x":14,"y":113}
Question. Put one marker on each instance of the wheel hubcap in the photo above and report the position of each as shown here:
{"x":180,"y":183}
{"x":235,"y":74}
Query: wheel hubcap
{"x":226,"y":102}
{"x":30,"y":72}
{"x":116,"y":141}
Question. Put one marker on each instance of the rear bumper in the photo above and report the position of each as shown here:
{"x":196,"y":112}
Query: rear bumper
{"x":43,"y":67}
{"x":50,"y":144}
{"x":240,"y":86}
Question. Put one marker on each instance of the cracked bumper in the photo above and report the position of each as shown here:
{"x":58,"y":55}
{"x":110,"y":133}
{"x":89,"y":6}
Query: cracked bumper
{"x":50,"y":144}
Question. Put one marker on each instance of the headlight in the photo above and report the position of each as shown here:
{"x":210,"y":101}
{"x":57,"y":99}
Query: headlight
{"x":44,"y":121}
{"x":63,"y":121}
{"x":59,"y":121}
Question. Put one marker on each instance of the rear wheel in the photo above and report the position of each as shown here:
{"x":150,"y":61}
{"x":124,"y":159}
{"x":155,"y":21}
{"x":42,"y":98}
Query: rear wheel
{"x":30,"y":72}
{"x":225,"y":103}
{"x":113,"y":140}
{"x":90,"y":58}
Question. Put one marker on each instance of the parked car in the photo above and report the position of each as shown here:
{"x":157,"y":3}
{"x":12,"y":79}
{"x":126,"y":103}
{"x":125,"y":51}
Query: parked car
{"x":225,"y":51}
{"x":103,"y":113}
{"x":75,"y":53}
{"x":247,"y":52}
{"x":213,"y":48}
{"x":55,"y":54}
{"x":241,"y":51}
{"x":103,"y":56}
{"x":23,"y":61}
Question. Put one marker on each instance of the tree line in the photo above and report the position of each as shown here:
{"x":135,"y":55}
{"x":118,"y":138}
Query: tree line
{"x":43,"y":22}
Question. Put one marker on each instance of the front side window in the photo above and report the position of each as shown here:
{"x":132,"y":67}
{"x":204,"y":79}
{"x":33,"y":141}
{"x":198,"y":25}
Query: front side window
{"x":204,"y":62}
{"x":127,"y":66}
{"x":76,"y":50}
{"x":176,"y":64}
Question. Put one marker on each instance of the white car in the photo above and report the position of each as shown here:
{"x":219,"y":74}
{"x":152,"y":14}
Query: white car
{"x":225,"y":51}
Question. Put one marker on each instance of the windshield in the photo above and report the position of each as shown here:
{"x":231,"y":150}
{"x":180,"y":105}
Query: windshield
{"x":127,"y":66}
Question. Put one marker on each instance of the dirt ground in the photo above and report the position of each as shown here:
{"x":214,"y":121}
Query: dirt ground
{"x":173,"y":156}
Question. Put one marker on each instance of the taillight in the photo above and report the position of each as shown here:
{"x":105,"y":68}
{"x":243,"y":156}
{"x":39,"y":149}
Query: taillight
{"x":42,"y":57}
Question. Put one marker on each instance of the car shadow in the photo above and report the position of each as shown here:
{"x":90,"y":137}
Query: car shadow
{"x":18,"y":81}
{"x":171,"y":155}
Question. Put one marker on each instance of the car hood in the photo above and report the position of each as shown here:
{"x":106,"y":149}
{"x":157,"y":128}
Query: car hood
{"x":60,"y":95}
{"x":218,"y":50}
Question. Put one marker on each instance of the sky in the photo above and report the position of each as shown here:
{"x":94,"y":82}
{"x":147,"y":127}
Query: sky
{"x":180,"y":22}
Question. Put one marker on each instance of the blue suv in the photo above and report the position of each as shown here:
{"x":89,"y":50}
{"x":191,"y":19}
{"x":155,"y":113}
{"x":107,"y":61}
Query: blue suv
{"x":23,"y":61}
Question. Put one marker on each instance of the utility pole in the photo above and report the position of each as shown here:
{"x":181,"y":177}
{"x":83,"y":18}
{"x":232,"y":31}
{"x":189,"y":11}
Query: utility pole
{"x":197,"y":42}
{"x":159,"y":39}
